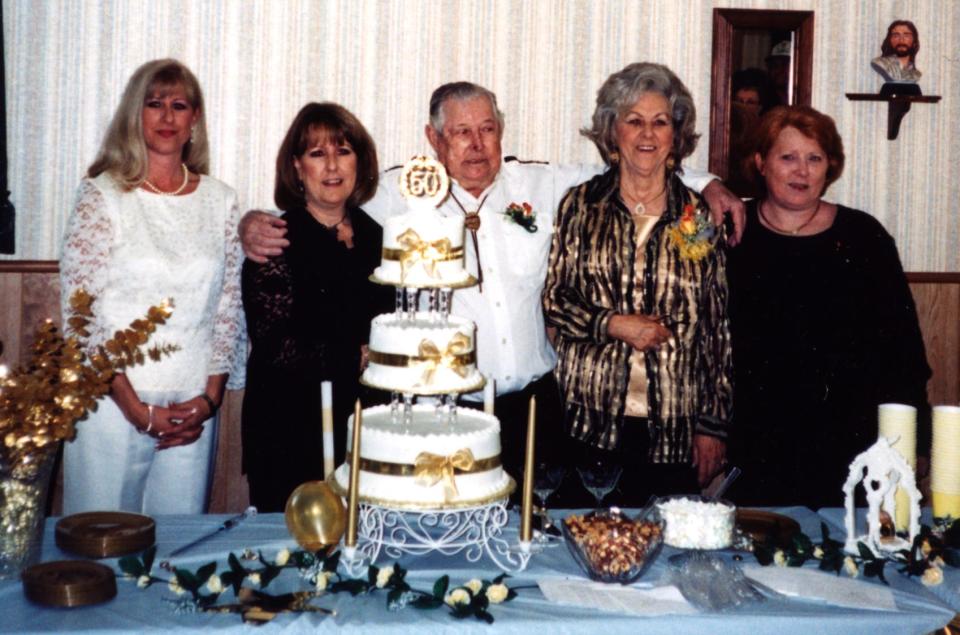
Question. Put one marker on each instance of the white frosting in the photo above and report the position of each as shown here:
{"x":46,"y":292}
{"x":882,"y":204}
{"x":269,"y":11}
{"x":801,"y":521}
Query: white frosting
{"x":430,"y":227}
{"x":393,"y":335}
{"x":383,"y":439}
{"x":694,"y":524}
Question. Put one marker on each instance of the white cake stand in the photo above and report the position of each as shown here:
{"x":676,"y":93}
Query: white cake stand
{"x":473,"y":531}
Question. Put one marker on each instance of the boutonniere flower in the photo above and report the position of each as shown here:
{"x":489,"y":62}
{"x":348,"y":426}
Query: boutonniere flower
{"x":692,"y":234}
{"x":522,"y":214}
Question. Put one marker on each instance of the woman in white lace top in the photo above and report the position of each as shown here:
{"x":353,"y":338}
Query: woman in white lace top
{"x":149,"y":224}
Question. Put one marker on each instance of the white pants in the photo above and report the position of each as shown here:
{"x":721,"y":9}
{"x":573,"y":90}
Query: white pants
{"x":112,"y":467}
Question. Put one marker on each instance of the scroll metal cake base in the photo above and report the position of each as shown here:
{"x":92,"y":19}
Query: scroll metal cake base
{"x":472,"y":531}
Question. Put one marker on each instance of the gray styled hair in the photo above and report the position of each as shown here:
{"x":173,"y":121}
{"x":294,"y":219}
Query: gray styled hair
{"x":459,"y":91}
{"x":622,"y":90}
{"x":123,"y":153}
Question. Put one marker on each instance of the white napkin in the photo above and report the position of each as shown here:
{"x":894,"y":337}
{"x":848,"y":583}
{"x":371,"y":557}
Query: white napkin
{"x":825,"y":586}
{"x":660,"y":600}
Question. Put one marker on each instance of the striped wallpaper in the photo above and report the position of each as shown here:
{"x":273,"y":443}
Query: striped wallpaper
{"x":258,"y":61}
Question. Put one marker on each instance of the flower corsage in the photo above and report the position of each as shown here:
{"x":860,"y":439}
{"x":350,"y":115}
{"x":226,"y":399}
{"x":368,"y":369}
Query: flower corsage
{"x":692,"y":234}
{"x":523,"y":215}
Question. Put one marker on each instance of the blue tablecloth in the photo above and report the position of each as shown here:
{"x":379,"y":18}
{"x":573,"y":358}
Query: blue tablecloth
{"x":135,"y":610}
{"x":947,"y":592}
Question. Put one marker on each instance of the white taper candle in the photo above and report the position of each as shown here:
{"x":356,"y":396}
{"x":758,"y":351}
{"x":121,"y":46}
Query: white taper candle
{"x":326,"y":413}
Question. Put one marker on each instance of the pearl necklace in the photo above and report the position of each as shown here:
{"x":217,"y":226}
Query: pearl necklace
{"x":156,"y":190}
{"x":789,"y":232}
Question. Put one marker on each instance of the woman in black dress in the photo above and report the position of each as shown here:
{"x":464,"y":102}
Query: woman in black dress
{"x":824,"y":327}
{"x":309,"y":309}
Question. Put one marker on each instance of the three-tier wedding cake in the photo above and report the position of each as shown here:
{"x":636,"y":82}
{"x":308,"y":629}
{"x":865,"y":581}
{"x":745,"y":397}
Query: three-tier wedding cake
{"x":425,"y":456}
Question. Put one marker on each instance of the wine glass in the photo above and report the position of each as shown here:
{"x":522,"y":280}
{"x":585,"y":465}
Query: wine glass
{"x":600,"y":476}
{"x":546,"y":481}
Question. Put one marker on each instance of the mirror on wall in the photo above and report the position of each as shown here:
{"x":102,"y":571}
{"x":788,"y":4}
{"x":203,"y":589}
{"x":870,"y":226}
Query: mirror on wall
{"x":761,"y":59}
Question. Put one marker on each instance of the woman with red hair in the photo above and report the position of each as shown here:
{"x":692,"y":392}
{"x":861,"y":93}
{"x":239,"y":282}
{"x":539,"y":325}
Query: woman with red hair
{"x":824,"y":327}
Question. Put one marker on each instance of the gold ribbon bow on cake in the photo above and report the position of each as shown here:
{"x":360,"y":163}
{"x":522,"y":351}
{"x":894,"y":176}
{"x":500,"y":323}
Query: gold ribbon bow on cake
{"x":429,"y":469}
{"x":413,"y":249}
{"x":454,"y":357}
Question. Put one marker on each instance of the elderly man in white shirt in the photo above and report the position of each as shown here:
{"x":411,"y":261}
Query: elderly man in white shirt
{"x":509,"y":259}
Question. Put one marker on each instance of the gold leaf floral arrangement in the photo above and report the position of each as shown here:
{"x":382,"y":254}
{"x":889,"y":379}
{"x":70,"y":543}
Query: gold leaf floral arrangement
{"x":41,"y":402}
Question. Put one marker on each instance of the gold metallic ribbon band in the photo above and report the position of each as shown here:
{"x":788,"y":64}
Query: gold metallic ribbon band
{"x":406,"y":469}
{"x":456,"y":357}
{"x":414,"y":249}
{"x":429,"y":469}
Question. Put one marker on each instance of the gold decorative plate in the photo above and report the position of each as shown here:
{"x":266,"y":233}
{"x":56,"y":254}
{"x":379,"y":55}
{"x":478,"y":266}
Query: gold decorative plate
{"x":69,"y":583}
{"x":469,"y":281}
{"x":105,"y":534}
{"x":499,"y":495}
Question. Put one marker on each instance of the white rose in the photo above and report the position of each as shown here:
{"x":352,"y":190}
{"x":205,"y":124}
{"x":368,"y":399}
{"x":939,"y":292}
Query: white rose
{"x":383,"y":576}
{"x":254,"y":579}
{"x":780,"y":558}
{"x":214,"y":585}
{"x":457,"y":596}
{"x":322,"y":580}
{"x":143,"y":581}
{"x":282,"y":557}
{"x":174,"y":585}
{"x":851,"y":567}
{"x":474,"y":585}
{"x":818,"y":553}
{"x":497,"y":593}
{"x":932,"y":576}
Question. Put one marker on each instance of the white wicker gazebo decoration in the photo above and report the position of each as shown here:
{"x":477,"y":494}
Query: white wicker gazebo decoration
{"x":880,"y":469}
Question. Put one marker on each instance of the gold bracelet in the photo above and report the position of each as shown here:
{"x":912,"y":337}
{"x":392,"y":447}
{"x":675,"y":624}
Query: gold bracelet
{"x":213,"y":406}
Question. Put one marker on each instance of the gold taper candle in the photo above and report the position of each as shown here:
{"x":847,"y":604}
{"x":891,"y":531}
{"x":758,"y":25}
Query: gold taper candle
{"x":526,"y":512}
{"x":352,"y":506}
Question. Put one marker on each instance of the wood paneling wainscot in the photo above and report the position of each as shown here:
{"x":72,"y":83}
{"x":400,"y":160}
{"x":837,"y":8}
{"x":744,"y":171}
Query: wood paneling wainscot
{"x":29,"y":293}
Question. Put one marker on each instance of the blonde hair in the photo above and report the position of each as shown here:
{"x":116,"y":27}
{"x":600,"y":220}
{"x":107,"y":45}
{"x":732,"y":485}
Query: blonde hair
{"x":123,"y":153}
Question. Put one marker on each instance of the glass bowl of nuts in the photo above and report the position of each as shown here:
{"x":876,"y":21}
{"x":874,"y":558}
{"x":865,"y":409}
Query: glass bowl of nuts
{"x":610,"y":547}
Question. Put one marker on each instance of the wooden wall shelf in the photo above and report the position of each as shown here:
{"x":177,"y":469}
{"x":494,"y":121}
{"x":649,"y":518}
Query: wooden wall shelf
{"x":897,"y":107}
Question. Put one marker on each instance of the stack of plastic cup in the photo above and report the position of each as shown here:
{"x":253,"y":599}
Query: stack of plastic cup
{"x":945,"y":462}
{"x":898,"y":423}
